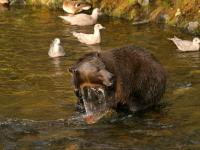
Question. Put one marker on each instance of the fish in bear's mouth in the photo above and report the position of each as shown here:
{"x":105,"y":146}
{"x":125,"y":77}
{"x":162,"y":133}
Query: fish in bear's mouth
{"x":94,"y":100}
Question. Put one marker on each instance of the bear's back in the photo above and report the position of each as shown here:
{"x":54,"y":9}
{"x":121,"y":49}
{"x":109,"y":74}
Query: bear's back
{"x":127,"y":57}
{"x":139,"y":75}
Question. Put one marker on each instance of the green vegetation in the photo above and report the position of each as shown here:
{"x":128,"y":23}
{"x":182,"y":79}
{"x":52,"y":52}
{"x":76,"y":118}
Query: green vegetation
{"x":160,"y":11}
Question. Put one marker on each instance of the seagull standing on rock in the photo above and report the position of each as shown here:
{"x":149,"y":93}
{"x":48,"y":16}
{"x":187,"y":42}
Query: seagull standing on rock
{"x":185,"y":45}
{"x":90,"y":39}
{"x":56,"y":50}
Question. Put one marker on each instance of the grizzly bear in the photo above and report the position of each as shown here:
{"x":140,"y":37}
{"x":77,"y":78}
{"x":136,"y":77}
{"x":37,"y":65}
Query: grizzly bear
{"x":127,"y":78}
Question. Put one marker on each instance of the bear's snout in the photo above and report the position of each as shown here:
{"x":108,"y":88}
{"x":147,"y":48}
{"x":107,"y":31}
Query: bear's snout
{"x":108,"y":77}
{"x":72,"y":70}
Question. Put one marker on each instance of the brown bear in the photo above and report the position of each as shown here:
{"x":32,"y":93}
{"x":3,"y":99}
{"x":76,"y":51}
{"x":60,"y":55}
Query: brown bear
{"x":127,"y":78}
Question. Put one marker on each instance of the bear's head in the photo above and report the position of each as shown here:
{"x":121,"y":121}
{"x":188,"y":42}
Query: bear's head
{"x":92,"y":83}
{"x":90,"y":70}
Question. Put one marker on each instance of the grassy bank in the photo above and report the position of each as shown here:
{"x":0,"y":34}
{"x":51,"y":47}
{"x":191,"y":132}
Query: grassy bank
{"x":172,"y":12}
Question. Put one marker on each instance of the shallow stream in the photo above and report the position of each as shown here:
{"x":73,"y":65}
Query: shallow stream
{"x":37,"y":100}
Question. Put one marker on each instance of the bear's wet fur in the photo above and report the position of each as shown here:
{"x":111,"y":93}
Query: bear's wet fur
{"x":139,"y":79}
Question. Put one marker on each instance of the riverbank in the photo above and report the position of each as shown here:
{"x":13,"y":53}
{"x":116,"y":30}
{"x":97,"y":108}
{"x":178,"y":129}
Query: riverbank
{"x":37,"y":100}
{"x":183,"y":14}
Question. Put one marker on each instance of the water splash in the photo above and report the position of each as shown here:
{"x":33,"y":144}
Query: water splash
{"x":94,"y":100}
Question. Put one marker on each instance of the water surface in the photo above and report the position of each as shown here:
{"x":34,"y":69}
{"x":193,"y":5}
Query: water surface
{"x":38,"y":88}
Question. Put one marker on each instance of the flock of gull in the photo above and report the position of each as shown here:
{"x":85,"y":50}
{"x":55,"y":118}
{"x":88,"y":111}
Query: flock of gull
{"x":73,"y":8}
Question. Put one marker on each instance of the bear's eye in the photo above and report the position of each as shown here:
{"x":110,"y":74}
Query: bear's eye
{"x":77,"y":5}
{"x":70,"y":69}
{"x":98,"y":69}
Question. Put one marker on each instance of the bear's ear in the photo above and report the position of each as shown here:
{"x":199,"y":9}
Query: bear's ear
{"x":70,"y":69}
{"x":97,"y":54}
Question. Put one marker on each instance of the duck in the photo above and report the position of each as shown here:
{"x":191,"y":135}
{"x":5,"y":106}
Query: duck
{"x":74,"y":7}
{"x":56,"y":50}
{"x":90,"y":39}
{"x":83,"y":19}
{"x":5,"y":3}
{"x":185,"y":45}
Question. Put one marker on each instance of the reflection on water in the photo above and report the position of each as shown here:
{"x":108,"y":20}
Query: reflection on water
{"x":94,"y":48}
{"x":58,"y":70}
{"x":2,"y":8}
{"x":36,"y":87}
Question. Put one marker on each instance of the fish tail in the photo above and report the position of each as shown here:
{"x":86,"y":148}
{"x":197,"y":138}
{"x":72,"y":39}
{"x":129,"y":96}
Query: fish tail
{"x":170,"y":39}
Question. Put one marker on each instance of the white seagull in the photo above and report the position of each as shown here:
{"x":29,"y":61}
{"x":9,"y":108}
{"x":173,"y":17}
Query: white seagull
{"x":90,"y":39}
{"x":185,"y":45}
{"x":56,"y":50}
{"x":83,"y":19}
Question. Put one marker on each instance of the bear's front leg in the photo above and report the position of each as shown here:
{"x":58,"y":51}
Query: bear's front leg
{"x":79,"y":105}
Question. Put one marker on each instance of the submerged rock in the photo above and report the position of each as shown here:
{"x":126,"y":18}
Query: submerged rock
{"x":17,"y":132}
{"x":141,"y":22}
{"x":183,"y":88}
{"x":193,"y":26}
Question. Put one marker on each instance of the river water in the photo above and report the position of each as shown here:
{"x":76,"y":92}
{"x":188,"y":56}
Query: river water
{"x":37,"y":100}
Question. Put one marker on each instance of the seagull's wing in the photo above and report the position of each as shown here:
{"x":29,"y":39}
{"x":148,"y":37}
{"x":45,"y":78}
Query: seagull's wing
{"x":82,"y":19}
{"x":51,"y":46}
{"x":184,"y":44}
{"x":61,"y":50}
{"x":66,"y":18}
{"x":84,"y":38}
{"x":79,"y":19}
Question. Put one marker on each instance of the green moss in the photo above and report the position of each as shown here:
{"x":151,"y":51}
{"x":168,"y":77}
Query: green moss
{"x":119,"y":11}
{"x":132,"y":1}
{"x":166,"y":4}
{"x":132,"y":14}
